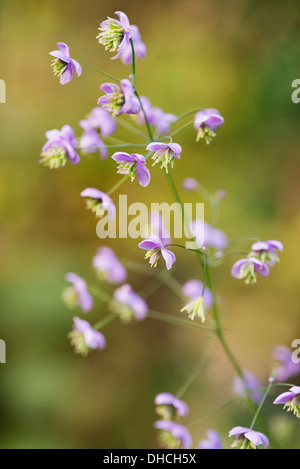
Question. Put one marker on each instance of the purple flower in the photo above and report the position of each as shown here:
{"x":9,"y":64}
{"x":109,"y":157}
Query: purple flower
{"x":266,"y":251}
{"x":119,"y":100}
{"x":190,"y":184}
{"x":98,"y":202}
{"x":193,"y":288}
{"x":155,"y":116}
{"x":173,"y":435}
{"x":84,"y":337}
{"x":101,"y":120}
{"x":246,"y":438}
{"x":139,"y":48}
{"x":249,"y":384}
{"x":115,"y":34}
{"x":129,"y":304}
{"x":169,"y":406}
{"x":165,"y":153}
{"x":206,"y":122}
{"x":158,"y":228}
{"x":90,"y":142}
{"x":78,"y":294}
{"x":285,"y":367}
{"x":207,"y":236}
{"x":108,"y":267}
{"x":213,"y":441}
{"x":248,"y":268}
{"x":60,"y":147}
{"x":63,"y":66}
{"x":291,"y":400}
{"x":133,"y":165}
{"x":155,"y":249}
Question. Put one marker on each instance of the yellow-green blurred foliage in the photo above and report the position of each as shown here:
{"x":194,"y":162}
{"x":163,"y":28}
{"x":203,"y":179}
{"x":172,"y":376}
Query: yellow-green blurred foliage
{"x":239,"y":56}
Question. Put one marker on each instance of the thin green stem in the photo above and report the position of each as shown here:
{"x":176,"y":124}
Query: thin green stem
{"x":131,"y":128}
{"x":106,"y":320}
{"x":176,"y":321}
{"x":186,"y":114}
{"x":99,"y":71}
{"x":118,"y":184}
{"x":261,"y":404}
{"x":184,"y":126}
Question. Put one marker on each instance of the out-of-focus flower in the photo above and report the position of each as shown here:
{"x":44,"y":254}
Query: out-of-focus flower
{"x":115,"y":34}
{"x":285,"y":367}
{"x":157,"y":227}
{"x":246,"y":438}
{"x":195,"y":308}
{"x":169,"y":407}
{"x":173,"y":435}
{"x":90,"y":142}
{"x":133,"y":165}
{"x":213,"y":440}
{"x":207,"y":236}
{"x":140,"y":49}
{"x":155,"y":249}
{"x":190,"y":184}
{"x":60,"y":147}
{"x":155,"y":116}
{"x":77,"y":294}
{"x":128,"y":304}
{"x":98,"y":202}
{"x":193,"y":288}
{"x":119,"y":100}
{"x":265,"y":251}
{"x":108,"y":266}
{"x":63,"y":66}
{"x":165,"y":153}
{"x":101,"y":120}
{"x":291,"y":400}
{"x":206,"y":122}
{"x":85,"y":338}
{"x":248,"y":268}
{"x":250,"y":384}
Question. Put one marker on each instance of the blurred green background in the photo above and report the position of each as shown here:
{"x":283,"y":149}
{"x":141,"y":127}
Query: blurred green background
{"x":239,"y":56}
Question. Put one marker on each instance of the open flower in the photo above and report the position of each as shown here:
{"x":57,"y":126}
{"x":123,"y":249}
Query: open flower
{"x":155,"y":116}
{"x":77,"y":294}
{"x":169,"y":406}
{"x":193,"y":288}
{"x":173,"y":435}
{"x":133,"y":165}
{"x":139,"y":47}
{"x":98,"y":202}
{"x":195,"y":308}
{"x":291,"y":400}
{"x":265,"y":251}
{"x":246,"y":438}
{"x":119,"y":100}
{"x":165,"y":153}
{"x":128,"y":304}
{"x":85,"y":338}
{"x":206,"y":122}
{"x":213,"y":440}
{"x":90,"y":141}
{"x":63,"y":66}
{"x":115,"y":34}
{"x":108,"y":267}
{"x":100,"y":120}
{"x":155,"y":249}
{"x":60,"y":147}
{"x":248,"y":268}
{"x":285,"y":367}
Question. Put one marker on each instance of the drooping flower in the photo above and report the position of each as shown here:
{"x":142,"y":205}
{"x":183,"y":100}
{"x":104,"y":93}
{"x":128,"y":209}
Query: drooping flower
{"x":165,"y":153}
{"x":250,"y":384}
{"x":77,"y":294}
{"x":193,"y":288}
{"x":101,"y":120}
{"x":155,"y":249}
{"x":265,"y":251}
{"x":85,"y":338}
{"x":98,"y":202}
{"x":60,"y":147}
{"x":195,"y":308}
{"x":115,"y":34}
{"x":246,"y":438}
{"x":291,"y":400}
{"x":140,"y":49}
{"x":206,"y":122}
{"x":108,"y":266}
{"x":169,"y":406}
{"x":133,"y":165}
{"x":128,"y":304}
{"x":119,"y":100}
{"x":190,"y":184}
{"x":248,"y":268}
{"x":285,"y":367}
{"x":173,"y":435}
{"x":213,"y":440}
{"x":63,"y":66}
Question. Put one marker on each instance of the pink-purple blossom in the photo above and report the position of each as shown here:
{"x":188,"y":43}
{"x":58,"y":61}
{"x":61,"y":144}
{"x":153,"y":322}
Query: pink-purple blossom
{"x":129,"y":303}
{"x":99,"y":202}
{"x":115,"y":34}
{"x":246,"y":438}
{"x":108,"y":266}
{"x":63,"y":66}
{"x":190,"y":184}
{"x":173,"y":435}
{"x":291,"y":400}
{"x":85,"y":338}
{"x":193,"y":288}
{"x":140,"y":49}
{"x":213,"y":440}
{"x":155,"y":250}
{"x":78,"y":294}
{"x":155,"y":116}
{"x":266,"y":251}
{"x":208,"y":236}
{"x":133,"y":165}
{"x":164,"y":153}
{"x":248,"y":268}
{"x":285,"y":367}
{"x":100,"y":120}
{"x":207,"y":122}
{"x":90,"y":141}
{"x":169,"y":406}
{"x":60,"y":147}
{"x":119,"y":99}
{"x":250,"y":384}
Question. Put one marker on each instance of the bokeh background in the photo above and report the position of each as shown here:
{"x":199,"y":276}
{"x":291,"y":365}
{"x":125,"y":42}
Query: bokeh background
{"x":239,"y":56}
